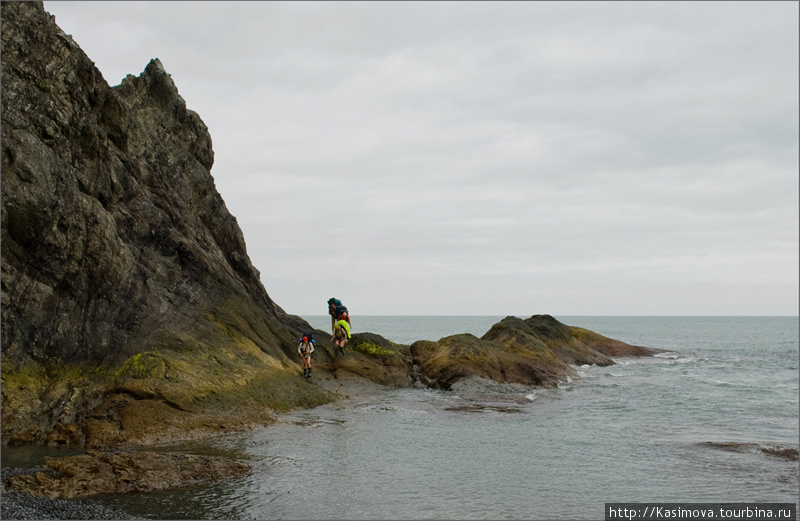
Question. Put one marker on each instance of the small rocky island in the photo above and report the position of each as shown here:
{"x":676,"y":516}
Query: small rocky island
{"x":131,"y":312}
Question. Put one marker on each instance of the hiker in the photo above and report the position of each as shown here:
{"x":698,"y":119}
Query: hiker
{"x":337,"y":311}
{"x":310,"y":336}
{"x":343,"y":314}
{"x":305,"y":349}
{"x":341,"y":334}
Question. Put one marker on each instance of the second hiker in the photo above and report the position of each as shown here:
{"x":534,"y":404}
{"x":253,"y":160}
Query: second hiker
{"x":305,"y":349}
{"x":341,"y":334}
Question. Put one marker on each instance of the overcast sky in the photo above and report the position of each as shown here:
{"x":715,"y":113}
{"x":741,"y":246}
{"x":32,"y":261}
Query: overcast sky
{"x":571,"y":158}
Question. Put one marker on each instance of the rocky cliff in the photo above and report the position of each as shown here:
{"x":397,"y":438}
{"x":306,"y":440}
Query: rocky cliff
{"x":127,"y":293}
{"x":131,"y":312}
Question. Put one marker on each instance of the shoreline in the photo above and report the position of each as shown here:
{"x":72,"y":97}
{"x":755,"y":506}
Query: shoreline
{"x":512,"y":355}
{"x":351,"y":388}
{"x":21,"y":505}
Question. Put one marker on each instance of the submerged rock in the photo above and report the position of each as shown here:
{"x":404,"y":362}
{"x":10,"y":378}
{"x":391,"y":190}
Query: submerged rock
{"x":784,"y":452}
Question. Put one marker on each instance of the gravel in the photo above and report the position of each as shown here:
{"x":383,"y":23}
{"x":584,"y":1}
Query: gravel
{"x":16,"y":505}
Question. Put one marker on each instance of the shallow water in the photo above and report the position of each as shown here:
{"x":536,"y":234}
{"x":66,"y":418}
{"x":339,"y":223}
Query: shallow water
{"x":696,"y":425}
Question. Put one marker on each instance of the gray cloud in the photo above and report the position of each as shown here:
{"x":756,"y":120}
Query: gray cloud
{"x":513,"y":157}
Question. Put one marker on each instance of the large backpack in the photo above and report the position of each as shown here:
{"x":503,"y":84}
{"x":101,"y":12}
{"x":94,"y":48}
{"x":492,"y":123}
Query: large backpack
{"x":310,"y":337}
{"x":333,"y":305}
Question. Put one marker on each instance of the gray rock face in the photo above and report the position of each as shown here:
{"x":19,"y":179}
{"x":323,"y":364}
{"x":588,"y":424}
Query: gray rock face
{"x":115,"y":240}
{"x":112,"y":227}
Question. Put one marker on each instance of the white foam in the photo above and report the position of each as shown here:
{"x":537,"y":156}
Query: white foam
{"x":721,"y":382}
{"x":402,"y":410}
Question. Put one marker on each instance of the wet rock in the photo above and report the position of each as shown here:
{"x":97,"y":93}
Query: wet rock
{"x":95,"y":473}
{"x":784,"y":452}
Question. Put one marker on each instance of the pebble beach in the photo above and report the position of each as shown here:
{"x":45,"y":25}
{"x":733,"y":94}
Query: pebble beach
{"x":16,"y":505}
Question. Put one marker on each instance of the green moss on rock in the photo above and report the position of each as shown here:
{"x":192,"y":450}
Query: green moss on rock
{"x":371,"y":349}
{"x":143,"y":365}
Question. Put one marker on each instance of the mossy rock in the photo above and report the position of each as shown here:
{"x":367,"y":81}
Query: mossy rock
{"x":609,"y":346}
{"x":143,"y":365}
{"x":152,"y":397}
{"x":539,"y":351}
{"x":375,"y":358}
{"x":372,"y":349}
{"x":373,"y":345}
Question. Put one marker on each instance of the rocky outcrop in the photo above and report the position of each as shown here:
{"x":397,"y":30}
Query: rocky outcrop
{"x":128,"y":297}
{"x":377,"y":359}
{"x":538,"y":351}
{"x":562,"y":341}
{"x":458,"y":357}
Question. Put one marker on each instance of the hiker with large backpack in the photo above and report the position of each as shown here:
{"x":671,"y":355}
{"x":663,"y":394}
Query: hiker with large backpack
{"x":341,"y":334}
{"x":340,"y":323}
{"x":305,"y":349}
{"x":337,"y":311}
{"x":342,"y":314}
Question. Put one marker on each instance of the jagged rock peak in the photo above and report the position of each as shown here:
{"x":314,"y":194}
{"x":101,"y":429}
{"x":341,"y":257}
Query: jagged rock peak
{"x":120,"y":260}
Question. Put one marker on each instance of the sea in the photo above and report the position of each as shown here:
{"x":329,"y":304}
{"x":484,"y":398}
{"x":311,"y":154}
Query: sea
{"x":712,"y":420}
